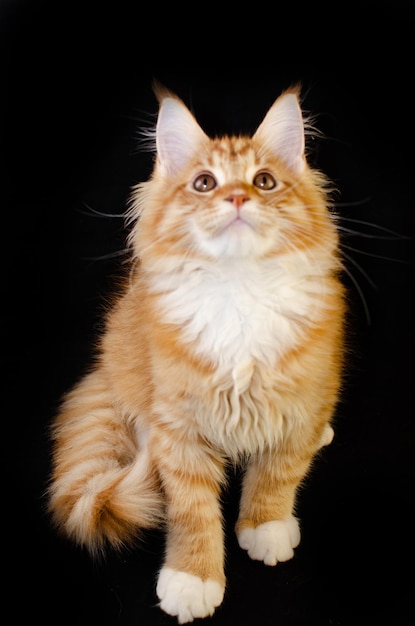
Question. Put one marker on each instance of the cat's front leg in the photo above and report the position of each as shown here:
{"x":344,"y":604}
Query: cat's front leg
{"x":271,"y":542}
{"x":267,"y":528}
{"x":191,"y":583}
{"x":187,"y":596}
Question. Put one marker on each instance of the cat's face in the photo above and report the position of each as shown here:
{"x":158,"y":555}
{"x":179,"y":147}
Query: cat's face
{"x":232,"y":197}
{"x":233,"y":202}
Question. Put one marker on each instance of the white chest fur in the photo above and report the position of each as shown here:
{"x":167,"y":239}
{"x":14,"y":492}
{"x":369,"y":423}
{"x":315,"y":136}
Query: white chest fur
{"x":238,"y":313}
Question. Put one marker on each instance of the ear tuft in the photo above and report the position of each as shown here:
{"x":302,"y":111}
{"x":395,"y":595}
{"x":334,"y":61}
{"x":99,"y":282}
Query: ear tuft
{"x":282,"y":131}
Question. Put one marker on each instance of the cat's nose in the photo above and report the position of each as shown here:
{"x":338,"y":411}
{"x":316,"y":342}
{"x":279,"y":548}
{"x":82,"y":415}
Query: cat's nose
{"x":237,"y":199}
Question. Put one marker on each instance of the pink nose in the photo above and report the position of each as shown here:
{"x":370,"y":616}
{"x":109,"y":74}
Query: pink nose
{"x":237,"y":199}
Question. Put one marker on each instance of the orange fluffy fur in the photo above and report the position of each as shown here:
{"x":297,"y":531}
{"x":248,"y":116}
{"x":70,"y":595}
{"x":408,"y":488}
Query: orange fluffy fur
{"x":225,"y":345}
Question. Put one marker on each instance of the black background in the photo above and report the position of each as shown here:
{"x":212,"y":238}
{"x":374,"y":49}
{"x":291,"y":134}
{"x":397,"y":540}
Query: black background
{"x":75,"y":90}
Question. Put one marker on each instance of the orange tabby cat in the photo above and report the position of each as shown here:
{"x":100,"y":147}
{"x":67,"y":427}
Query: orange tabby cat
{"x":225,"y":346}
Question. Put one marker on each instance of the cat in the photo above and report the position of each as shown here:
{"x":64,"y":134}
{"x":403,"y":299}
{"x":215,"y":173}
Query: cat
{"x":224,"y":346}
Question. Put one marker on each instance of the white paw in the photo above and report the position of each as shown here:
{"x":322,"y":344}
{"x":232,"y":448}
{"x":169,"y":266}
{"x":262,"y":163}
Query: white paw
{"x":327,"y":436}
{"x":272,"y":541}
{"x":187,"y":596}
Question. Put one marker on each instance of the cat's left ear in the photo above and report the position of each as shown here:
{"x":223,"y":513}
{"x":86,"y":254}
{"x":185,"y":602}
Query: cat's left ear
{"x":178,"y":135}
{"x":282,"y":131}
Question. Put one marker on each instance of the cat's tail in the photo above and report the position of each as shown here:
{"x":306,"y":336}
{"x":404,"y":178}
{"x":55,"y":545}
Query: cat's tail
{"x":103,"y":489}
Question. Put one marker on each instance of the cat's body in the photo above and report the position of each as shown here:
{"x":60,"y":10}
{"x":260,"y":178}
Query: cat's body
{"x":226,"y":345}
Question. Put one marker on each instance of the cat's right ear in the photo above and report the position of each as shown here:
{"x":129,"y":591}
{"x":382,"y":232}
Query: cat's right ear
{"x":178,"y":135}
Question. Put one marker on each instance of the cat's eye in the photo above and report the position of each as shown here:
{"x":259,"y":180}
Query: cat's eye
{"x":204,"y":182}
{"x":265,"y":180}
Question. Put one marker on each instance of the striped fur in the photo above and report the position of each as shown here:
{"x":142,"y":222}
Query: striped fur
{"x":225,"y":345}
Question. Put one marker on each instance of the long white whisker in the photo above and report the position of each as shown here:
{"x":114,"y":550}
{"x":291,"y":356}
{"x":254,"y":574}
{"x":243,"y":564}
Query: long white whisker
{"x":354,"y":203}
{"x":392,"y":233}
{"x":93,"y":212}
{"x":360,"y":269}
{"x":361,"y":295}
{"x":372,"y":254}
{"x":109,"y":255}
{"x":350,"y":231}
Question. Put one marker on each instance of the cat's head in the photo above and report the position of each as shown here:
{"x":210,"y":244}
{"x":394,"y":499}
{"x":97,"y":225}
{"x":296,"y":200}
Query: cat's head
{"x":231,"y":197}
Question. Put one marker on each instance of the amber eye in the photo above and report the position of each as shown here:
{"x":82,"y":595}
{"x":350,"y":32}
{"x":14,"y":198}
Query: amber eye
{"x":204,"y":182}
{"x":265,"y":180}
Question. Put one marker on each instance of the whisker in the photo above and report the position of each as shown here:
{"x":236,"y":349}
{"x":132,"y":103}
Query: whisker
{"x":360,"y":269}
{"x":393,"y":234}
{"x":353,"y":203}
{"x":92,"y":212}
{"x":109,"y":255}
{"x":313,"y":239}
{"x":361,"y":294}
{"x":372,"y":254}
{"x":350,"y":231}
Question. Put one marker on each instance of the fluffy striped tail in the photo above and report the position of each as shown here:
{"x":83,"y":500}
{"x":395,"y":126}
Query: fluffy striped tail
{"x":102,"y":488}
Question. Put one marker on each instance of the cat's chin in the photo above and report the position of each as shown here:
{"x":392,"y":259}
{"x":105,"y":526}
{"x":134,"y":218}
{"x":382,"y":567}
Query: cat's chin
{"x":235,"y":245}
{"x":239,"y":225}
{"x":238,"y":240}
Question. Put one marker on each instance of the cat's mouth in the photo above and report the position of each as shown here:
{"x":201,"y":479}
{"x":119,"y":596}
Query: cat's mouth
{"x":239,"y":221}
{"x":232,"y":234}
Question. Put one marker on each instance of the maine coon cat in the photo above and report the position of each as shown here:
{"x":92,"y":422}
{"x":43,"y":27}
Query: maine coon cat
{"x":225,"y":346}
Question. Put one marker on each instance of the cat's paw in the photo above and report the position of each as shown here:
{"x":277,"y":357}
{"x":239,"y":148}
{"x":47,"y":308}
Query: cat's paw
{"x":272,"y":541}
{"x":327,"y":436}
{"x":186,"y":596}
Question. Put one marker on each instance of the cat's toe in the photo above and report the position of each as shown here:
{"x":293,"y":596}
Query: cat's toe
{"x":271,"y":542}
{"x":186,"y":596}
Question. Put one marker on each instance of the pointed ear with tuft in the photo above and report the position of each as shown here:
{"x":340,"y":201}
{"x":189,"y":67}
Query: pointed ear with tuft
{"x":282,"y":131}
{"x":178,"y":135}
